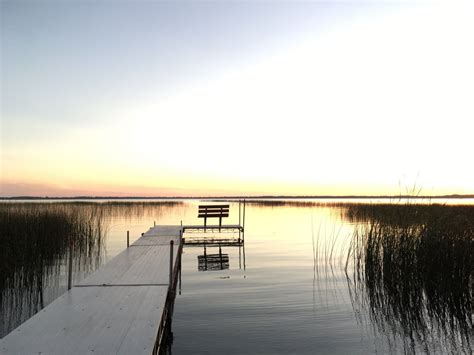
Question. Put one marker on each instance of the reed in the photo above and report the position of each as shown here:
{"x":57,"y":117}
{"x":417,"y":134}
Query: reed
{"x":33,"y":248}
{"x":287,"y":203}
{"x":34,"y":241}
{"x":413,"y":271}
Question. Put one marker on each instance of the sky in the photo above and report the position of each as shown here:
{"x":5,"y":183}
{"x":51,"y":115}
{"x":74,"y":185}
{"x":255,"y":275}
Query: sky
{"x":190,"y":98}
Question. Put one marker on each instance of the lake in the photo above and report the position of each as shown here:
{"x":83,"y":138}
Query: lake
{"x":313,"y":276}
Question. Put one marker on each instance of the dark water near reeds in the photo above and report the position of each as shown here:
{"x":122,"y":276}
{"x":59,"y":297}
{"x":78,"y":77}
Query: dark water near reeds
{"x":314,"y":276}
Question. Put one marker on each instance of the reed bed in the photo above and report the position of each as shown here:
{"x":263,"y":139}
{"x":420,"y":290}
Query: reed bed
{"x":35,"y":238}
{"x":413,"y":271}
{"x":139,"y":209}
{"x":111,"y":209}
{"x":34,"y":242}
{"x":287,"y":203}
{"x":299,"y":204}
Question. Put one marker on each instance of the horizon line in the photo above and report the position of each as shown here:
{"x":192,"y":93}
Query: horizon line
{"x":86,"y":197}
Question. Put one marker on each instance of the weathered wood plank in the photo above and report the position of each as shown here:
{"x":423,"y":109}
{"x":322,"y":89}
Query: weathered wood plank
{"x":213,"y":215}
{"x":213,"y":206}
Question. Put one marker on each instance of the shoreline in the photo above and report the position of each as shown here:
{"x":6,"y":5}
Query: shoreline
{"x":419,"y":197}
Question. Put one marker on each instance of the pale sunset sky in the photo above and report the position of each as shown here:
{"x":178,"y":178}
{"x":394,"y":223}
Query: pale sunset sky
{"x":153,"y":98}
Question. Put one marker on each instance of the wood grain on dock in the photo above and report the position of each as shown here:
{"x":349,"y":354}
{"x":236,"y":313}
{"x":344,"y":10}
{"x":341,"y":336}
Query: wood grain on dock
{"x":116,"y":310}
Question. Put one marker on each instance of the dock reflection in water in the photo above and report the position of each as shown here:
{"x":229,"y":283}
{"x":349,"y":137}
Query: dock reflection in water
{"x":210,"y":262}
{"x":219,"y":261}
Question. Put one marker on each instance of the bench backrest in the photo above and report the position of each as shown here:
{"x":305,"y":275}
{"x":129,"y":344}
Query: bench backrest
{"x":210,"y":211}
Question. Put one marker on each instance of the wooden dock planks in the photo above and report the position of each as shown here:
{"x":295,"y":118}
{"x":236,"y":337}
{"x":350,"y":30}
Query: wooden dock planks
{"x":118,"y":309}
{"x":136,"y":265}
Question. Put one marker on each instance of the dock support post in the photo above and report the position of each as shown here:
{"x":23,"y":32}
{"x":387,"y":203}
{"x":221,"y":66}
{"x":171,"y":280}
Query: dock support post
{"x":240,"y":202}
{"x":69,"y":276}
{"x":154,"y":223}
{"x":243,"y":224}
{"x":180,"y":256}
{"x":128,"y":239}
{"x":239,"y":219}
{"x":171,"y":266}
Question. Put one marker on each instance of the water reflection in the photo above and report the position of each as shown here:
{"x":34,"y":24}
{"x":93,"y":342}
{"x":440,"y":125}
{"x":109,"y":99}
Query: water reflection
{"x":219,"y":261}
{"x":210,"y":262}
{"x":413,"y":275}
{"x":334,"y":278}
{"x":321,"y":280}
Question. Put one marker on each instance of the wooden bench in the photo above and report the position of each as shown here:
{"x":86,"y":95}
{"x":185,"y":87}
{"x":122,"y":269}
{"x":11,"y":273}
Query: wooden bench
{"x":213,"y":211}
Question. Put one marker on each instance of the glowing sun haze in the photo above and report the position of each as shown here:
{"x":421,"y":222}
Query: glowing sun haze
{"x":189,"y":98}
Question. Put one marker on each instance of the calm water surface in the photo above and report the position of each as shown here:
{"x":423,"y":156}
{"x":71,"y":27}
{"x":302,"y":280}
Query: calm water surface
{"x":289,"y":290}
{"x":284,"y":301}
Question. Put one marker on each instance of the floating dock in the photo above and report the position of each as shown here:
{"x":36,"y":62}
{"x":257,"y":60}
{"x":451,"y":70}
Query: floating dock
{"x":210,"y":241}
{"x":122,"y":308}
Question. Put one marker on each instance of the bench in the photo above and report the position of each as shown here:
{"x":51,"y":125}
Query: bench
{"x":213,"y":211}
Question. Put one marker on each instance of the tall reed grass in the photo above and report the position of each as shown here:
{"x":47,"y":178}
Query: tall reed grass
{"x":35,"y":238}
{"x":413,"y":272}
{"x":287,"y":203}
{"x":33,"y":248}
